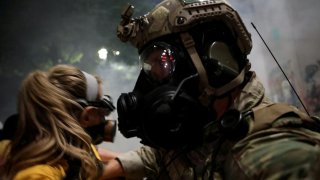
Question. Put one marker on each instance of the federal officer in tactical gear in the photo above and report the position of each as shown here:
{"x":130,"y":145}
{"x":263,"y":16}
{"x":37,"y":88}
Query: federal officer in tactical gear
{"x":199,"y":110}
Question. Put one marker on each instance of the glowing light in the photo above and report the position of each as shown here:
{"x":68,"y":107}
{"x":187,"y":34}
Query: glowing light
{"x":103,"y":53}
{"x":116,"y":53}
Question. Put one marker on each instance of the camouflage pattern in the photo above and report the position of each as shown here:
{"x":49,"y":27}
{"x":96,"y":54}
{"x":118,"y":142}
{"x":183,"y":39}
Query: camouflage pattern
{"x":173,"y":16}
{"x":276,"y":153}
{"x":282,"y":142}
{"x":272,"y":152}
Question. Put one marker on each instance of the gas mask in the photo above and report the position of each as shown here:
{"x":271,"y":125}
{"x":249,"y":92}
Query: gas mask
{"x":162,"y":110}
{"x":105,"y":130}
{"x":165,"y":109}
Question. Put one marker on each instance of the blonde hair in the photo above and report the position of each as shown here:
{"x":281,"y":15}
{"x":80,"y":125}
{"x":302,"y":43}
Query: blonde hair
{"x":48,"y":128}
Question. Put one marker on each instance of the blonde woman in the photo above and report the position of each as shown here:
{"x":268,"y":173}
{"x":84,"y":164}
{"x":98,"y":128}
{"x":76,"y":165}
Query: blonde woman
{"x":55,"y":108}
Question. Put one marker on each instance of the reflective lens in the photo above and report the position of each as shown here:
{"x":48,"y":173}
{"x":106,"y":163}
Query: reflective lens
{"x":221,"y":52}
{"x":158,"y":61}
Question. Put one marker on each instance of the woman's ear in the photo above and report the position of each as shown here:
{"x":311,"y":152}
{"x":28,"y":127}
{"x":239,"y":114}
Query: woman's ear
{"x":86,"y":116}
{"x":90,"y":116}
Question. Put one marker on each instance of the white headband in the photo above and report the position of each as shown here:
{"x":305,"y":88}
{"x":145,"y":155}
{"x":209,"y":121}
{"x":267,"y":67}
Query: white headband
{"x":92,"y":86}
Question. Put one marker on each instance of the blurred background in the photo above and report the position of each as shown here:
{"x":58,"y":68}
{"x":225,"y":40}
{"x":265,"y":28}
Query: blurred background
{"x":37,"y":34}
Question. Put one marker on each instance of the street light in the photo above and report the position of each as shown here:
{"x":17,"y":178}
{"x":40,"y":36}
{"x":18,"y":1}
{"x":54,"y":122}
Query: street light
{"x":103,"y":54}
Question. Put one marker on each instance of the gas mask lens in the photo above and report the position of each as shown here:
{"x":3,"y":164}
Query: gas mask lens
{"x":158,"y":61}
{"x":221,"y":52}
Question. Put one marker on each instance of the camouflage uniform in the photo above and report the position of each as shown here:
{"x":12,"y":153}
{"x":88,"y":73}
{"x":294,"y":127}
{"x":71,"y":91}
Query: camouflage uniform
{"x":280,"y":145}
{"x":282,"y":142}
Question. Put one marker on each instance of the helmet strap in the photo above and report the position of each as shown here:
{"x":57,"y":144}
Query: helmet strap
{"x":207,"y":91}
{"x":189,"y":43}
{"x":233,"y":83}
{"x":204,"y":87}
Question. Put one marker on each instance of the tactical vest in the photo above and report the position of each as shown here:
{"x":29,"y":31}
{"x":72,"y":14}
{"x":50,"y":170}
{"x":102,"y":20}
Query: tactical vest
{"x":281,"y":115}
{"x":263,"y":117}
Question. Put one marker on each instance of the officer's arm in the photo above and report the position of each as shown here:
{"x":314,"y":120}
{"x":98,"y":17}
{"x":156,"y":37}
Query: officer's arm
{"x":112,"y":170}
{"x":106,"y":154}
{"x":132,"y":164}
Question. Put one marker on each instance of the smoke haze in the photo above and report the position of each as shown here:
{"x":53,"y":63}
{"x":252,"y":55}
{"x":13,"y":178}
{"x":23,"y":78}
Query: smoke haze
{"x":290,"y":27}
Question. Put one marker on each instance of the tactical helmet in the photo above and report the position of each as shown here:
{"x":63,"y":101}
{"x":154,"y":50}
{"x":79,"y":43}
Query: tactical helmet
{"x":174,"y":16}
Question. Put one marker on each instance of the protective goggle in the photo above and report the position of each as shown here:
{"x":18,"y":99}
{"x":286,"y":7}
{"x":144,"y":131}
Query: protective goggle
{"x":158,"y":61}
{"x":105,"y":103}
